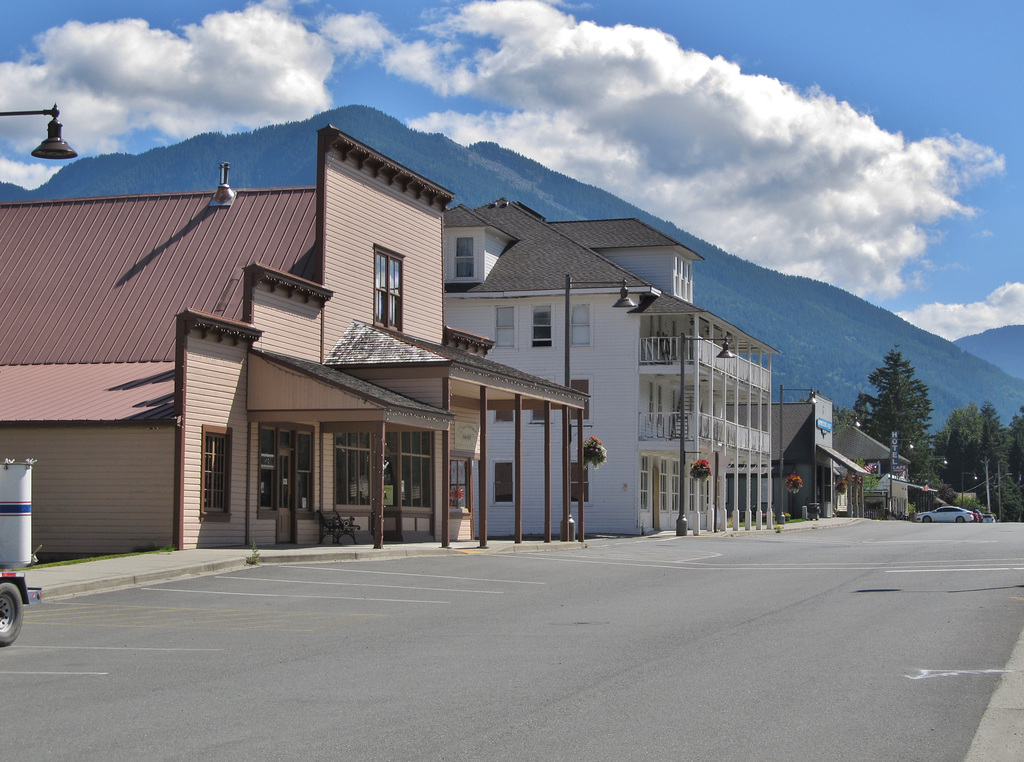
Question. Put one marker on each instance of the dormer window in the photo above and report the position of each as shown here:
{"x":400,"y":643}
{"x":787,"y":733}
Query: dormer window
{"x":464,"y":257}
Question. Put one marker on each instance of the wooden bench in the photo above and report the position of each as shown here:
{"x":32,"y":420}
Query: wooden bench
{"x":336,"y":526}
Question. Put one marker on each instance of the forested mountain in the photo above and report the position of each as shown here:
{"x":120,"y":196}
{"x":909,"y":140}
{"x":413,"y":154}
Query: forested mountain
{"x":999,"y":346}
{"x":829,"y":339}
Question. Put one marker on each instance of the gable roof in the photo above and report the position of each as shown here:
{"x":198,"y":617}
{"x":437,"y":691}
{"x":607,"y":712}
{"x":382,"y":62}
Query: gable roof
{"x":540,"y":255}
{"x":366,"y":390}
{"x":624,"y":233}
{"x":855,"y":444}
{"x":363,"y":345}
{"x":100,"y":280}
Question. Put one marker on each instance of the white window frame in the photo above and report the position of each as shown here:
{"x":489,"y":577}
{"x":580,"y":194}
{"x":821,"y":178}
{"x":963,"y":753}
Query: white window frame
{"x":645,"y":483}
{"x":463,"y":259}
{"x":539,"y":310}
{"x":504,"y":335}
{"x":579,"y":319}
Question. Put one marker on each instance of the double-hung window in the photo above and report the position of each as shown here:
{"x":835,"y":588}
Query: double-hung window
{"x":387,"y":286}
{"x":542,"y":326}
{"x":216,"y":447}
{"x":505,"y":326}
{"x":464,"y":258}
{"x":580,"y":323}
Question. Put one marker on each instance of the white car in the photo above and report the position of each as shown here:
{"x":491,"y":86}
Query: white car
{"x":947,"y":513}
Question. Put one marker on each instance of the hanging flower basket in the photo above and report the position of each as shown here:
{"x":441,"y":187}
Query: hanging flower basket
{"x":794,"y":483}
{"x":594,"y":453}
{"x":700,"y":470}
{"x":841,"y":487}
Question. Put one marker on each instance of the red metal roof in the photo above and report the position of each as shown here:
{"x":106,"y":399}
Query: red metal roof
{"x":99,"y":280}
{"x":99,"y":392}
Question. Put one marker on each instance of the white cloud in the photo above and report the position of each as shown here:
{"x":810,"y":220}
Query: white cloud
{"x":26,"y":175}
{"x":231,"y":71}
{"x":1004,"y":306}
{"x":797,"y":181}
{"x":357,"y":36}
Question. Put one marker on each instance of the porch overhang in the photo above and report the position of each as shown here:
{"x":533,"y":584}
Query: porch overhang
{"x":282,"y":388}
{"x":842,"y":460}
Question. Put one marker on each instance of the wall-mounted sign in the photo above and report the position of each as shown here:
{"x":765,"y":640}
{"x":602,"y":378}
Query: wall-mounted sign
{"x":824,"y":425}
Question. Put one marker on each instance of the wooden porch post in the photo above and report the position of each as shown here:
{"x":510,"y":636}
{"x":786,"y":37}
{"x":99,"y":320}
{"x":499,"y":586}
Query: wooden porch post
{"x":566,"y":428}
{"x":547,"y":472}
{"x":517,"y":471}
{"x":581,"y":465}
{"x":446,"y":490}
{"x":483,"y":467}
{"x":377,"y":490}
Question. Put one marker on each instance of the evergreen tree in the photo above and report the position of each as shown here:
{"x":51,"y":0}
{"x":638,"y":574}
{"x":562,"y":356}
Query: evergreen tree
{"x":960,"y":443}
{"x":900,"y":404}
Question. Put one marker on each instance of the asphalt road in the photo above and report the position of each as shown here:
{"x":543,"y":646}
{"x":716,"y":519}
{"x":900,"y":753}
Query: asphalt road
{"x":877,"y":641}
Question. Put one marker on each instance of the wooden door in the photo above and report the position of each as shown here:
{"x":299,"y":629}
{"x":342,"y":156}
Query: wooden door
{"x":285,"y":493}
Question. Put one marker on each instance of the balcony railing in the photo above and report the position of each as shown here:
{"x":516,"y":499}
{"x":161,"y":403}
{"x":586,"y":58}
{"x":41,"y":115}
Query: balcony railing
{"x":659,"y":425}
{"x":665,"y":427}
{"x":664,"y":350}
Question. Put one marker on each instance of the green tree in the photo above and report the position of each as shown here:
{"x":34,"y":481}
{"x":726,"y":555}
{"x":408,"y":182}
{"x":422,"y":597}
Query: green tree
{"x":959,"y":440}
{"x":901,"y":404}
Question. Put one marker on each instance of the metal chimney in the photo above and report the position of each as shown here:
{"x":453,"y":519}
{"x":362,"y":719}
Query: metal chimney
{"x":224,"y":195}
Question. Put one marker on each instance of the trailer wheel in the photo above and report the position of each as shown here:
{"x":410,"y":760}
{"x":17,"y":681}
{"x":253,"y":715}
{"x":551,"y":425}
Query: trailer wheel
{"x":10,"y":613}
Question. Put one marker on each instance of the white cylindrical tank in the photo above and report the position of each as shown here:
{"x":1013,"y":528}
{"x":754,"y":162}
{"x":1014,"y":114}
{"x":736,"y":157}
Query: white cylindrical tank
{"x":15,"y":515}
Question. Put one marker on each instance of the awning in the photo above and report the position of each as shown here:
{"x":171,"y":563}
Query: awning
{"x":842,"y":460}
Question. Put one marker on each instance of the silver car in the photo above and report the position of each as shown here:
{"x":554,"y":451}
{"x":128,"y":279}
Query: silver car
{"x":947,"y":513}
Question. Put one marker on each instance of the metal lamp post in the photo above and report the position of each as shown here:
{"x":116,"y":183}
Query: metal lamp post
{"x":623,"y":302}
{"x":54,"y":147}
{"x":725,"y":354}
{"x":962,"y":475}
{"x":812,"y":398}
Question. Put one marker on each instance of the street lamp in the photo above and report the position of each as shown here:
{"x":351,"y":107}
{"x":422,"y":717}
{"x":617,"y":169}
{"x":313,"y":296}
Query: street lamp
{"x":623,"y":302}
{"x":725,"y":354}
{"x":812,"y":398}
{"x":54,"y":147}
{"x":962,"y":475}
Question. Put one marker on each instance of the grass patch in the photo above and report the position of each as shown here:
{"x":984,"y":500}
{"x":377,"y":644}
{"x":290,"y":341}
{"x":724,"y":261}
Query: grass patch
{"x":70,"y":561}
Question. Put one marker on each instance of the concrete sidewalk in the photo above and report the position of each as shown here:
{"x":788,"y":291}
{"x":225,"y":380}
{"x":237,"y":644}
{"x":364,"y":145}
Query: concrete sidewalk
{"x":150,"y":568}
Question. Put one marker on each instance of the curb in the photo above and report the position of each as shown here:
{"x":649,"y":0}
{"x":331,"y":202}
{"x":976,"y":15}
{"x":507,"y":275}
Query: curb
{"x":122,"y":580}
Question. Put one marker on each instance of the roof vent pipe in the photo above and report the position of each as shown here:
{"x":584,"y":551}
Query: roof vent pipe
{"x":224,"y":195}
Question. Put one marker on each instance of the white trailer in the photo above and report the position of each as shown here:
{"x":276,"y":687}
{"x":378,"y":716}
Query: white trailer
{"x":15,"y":594}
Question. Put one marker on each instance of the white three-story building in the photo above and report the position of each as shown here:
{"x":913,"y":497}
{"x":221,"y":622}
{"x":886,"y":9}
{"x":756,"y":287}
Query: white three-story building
{"x":549,"y":295}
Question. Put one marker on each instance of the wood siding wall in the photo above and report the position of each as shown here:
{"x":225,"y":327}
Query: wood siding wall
{"x":290,"y":325}
{"x":361,"y":212}
{"x":215,"y":395}
{"x":98,"y":490}
{"x":610,"y":365}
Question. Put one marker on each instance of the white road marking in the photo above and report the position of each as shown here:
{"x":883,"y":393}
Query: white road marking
{"x":54,"y":673}
{"x":285,"y":595}
{"x":113,"y":648}
{"x":361,"y":584}
{"x":948,"y":569}
{"x":411,"y":574}
{"x":926,"y":673}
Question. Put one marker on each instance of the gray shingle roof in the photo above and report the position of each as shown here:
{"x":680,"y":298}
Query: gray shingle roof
{"x":540,"y":256}
{"x":615,"y":234}
{"x":363,"y":345}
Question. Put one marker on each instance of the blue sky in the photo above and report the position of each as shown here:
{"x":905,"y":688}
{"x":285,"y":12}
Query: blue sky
{"x":875,"y":145}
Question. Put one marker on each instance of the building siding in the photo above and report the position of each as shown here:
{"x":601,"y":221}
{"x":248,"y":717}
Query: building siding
{"x":215,"y":395}
{"x":363,"y":212}
{"x":97,"y":489}
{"x":609,"y":363}
{"x":290,"y":325}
